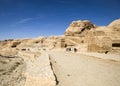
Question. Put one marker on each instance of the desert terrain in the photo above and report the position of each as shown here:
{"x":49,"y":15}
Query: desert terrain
{"x":74,"y":69}
{"x":86,"y":55}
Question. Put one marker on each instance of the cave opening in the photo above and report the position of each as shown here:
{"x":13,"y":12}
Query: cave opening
{"x":116,"y":45}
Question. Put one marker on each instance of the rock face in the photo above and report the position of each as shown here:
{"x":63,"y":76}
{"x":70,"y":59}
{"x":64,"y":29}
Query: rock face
{"x":115,"y":24}
{"x":8,"y":47}
{"x":105,"y":38}
{"x":94,"y":38}
{"x":99,"y":39}
{"x":115,"y":27}
{"x":12,"y":71}
{"x":82,"y":34}
{"x":79,"y":28}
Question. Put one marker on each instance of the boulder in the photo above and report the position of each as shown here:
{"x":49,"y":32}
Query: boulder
{"x":115,"y":24}
{"x":79,"y":28}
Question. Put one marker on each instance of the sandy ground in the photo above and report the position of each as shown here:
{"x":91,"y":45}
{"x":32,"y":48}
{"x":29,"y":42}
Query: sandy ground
{"x":70,"y":69}
{"x":74,"y":69}
{"x":113,"y":57}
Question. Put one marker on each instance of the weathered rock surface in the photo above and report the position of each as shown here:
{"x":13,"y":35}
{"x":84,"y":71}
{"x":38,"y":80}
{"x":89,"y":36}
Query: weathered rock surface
{"x":105,"y":38}
{"x":79,"y":28}
{"x":115,"y":24}
{"x":115,"y":27}
{"x":38,"y":71}
{"x":12,"y":71}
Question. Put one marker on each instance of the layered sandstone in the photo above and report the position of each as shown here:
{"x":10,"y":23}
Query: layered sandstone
{"x":79,"y":28}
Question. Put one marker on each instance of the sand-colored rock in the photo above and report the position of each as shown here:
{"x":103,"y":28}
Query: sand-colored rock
{"x":38,"y":71}
{"x":115,"y":24}
{"x":94,"y":38}
{"x":102,"y":39}
{"x":79,"y":28}
{"x":12,"y":71}
{"x":99,"y":39}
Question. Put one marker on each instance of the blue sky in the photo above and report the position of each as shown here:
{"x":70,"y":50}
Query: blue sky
{"x":34,"y":18}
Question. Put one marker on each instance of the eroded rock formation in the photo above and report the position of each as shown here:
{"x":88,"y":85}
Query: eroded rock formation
{"x":82,"y":34}
{"x":79,"y":28}
{"x":12,"y":71}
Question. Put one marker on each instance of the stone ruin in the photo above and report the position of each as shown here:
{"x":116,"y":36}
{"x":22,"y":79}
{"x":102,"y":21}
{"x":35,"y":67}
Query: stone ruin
{"x":82,"y":34}
{"x":89,"y":37}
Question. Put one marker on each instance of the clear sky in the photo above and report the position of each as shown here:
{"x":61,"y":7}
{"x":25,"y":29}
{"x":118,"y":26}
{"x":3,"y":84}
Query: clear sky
{"x":34,"y":18}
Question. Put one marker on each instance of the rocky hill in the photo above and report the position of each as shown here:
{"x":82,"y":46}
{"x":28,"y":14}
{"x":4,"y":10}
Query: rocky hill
{"x":79,"y":28}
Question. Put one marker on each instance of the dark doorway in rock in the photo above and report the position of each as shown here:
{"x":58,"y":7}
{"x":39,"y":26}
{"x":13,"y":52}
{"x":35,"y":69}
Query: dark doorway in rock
{"x":116,"y":45}
{"x":65,"y":45}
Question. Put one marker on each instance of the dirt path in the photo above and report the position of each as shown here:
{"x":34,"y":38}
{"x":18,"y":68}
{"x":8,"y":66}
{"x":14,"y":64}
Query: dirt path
{"x":73,"y":69}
